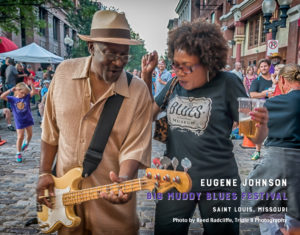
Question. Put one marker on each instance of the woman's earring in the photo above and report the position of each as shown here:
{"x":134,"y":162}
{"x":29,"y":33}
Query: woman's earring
{"x":207,"y":75}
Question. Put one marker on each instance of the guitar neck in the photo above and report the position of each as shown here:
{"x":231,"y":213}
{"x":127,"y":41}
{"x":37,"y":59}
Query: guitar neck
{"x":77,"y":197}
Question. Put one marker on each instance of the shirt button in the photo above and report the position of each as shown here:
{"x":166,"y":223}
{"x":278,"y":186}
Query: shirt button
{"x":81,"y":140}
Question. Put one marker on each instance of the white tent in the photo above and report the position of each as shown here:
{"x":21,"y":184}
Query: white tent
{"x":32,"y":53}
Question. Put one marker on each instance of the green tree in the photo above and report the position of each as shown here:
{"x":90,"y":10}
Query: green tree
{"x":167,"y":60}
{"x":80,"y":18}
{"x":136,"y":52}
{"x":23,"y":14}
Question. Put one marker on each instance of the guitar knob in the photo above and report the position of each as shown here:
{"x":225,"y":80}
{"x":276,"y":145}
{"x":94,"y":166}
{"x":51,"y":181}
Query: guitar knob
{"x":149,"y":175}
{"x":157,"y":176}
{"x":166,"y":178}
{"x":176,"y":179}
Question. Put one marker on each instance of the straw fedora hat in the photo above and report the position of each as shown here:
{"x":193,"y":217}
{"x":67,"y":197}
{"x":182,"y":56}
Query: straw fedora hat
{"x":275,"y":54}
{"x":110,"y":26}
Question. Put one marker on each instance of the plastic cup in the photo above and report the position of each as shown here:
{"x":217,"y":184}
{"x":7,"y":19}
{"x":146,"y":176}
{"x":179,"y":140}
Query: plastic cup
{"x":246,"y":125}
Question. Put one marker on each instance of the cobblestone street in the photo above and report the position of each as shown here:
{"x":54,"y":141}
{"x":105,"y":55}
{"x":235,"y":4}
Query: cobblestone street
{"x":18,"y":182}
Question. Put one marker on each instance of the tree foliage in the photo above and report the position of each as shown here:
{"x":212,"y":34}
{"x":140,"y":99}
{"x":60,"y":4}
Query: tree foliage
{"x":167,"y":60}
{"x":80,"y":18}
{"x":136,"y":53}
{"x":17,"y":14}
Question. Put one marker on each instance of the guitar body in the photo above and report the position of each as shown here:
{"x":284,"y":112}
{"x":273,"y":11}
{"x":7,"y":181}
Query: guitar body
{"x":51,"y":220}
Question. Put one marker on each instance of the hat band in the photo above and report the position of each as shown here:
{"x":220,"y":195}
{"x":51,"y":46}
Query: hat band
{"x":110,"y":33}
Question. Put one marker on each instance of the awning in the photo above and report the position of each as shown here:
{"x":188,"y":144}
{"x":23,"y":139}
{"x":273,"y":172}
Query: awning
{"x":7,"y":45}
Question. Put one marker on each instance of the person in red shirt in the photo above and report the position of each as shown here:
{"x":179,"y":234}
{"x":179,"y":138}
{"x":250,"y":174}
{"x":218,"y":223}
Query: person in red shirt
{"x":31,"y":74}
{"x":31,"y":71}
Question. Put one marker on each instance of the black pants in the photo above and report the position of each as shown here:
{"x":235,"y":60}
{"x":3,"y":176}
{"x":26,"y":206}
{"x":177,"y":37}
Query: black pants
{"x":172,"y":216}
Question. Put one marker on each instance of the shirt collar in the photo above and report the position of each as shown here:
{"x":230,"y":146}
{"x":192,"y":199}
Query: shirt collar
{"x":119,"y":87}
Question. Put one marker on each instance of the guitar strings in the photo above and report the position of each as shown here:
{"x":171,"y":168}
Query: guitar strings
{"x":88,"y":196}
{"x":132,"y":185}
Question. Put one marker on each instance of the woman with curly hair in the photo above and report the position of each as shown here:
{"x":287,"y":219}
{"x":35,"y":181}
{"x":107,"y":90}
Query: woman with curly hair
{"x":200,"y":113}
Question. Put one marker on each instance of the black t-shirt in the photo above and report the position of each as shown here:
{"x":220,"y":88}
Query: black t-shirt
{"x":200,"y":123}
{"x":284,"y":120}
{"x":50,"y":74}
{"x":20,"y":79}
{"x":260,"y":84}
{"x":2,"y":72}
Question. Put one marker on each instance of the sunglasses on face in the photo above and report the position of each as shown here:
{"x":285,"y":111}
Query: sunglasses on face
{"x":113,"y":57}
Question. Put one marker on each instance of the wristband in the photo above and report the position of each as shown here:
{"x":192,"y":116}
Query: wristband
{"x":43,"y":174}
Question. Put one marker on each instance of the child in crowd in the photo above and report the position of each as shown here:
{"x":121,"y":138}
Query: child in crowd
{"x":274,"y":77}
{"x":20,"y":104}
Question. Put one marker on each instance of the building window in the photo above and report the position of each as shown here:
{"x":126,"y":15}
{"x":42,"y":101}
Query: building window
{"x":256,"y":31}
{"x":212,"y":18}
{"x":185,"y":12}
{"x":251,"y":34}
{"x":66,"y":30}
{"x":74,"y":35}
{"x":255,"y":34}
{"x":262,"y":34}
{"x":42,"y":17}
{"x":55,"y":28}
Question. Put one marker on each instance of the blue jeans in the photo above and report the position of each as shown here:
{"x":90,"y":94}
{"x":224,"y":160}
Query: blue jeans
{"x":9,"y":86}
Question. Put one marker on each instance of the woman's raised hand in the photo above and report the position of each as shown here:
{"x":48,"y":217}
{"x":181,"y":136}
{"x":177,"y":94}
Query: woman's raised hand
{"x":149,"y":62}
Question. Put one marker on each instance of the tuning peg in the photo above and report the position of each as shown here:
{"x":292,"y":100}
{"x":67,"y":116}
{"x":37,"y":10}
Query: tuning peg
{"x":156,"y":162}
{"x":157,"y":176}
{"x":186,"y":164}
{"x":174,"y":163}
{"x":176,"y":179}
{"x":166,"y":178}
{"x":149,"y":175}
{"x":166,"y":162}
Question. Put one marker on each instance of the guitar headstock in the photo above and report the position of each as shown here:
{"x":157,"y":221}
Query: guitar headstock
{"x":164,"y":180}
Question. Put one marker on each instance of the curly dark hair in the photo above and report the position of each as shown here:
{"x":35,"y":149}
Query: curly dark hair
{"x":201,"y":39}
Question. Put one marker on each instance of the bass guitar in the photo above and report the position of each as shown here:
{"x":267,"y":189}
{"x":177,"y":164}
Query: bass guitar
{"x":67,"y":194}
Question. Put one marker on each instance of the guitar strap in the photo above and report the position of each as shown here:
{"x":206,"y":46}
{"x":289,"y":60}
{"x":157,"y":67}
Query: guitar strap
{"x":102,"y":132}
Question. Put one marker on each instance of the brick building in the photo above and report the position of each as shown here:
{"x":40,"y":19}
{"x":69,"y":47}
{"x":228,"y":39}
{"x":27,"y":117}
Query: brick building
{"x":242,"y":24}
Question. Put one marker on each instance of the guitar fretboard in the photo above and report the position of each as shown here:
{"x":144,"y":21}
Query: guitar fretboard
{"x":77,"y":197}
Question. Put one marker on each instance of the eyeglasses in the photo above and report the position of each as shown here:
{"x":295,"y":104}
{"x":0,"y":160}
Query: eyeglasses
{"x":184,"y":69}
{"x":114,"y":57}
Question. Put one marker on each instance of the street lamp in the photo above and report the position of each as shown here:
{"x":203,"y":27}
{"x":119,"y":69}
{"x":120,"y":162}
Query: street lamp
{"x":268,"y":8}
{"x":69,"y":44}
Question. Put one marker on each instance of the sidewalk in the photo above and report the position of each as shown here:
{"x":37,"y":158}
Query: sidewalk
{"x":18,"y":182}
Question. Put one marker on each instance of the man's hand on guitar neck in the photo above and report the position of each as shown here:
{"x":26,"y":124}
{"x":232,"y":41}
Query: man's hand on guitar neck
{"x":121,"y":197}
{"x":128,"y":170}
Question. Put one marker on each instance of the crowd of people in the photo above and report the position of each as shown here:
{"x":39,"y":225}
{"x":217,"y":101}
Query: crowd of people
{"x":201,"y":111}
{"x":22,"y":87}
{"x":259,"y":82}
